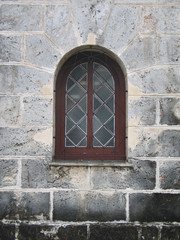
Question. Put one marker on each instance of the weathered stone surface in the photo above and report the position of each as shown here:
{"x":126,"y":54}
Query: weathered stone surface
{"x":121,"y":29}
{"x":24,"y":206}
{"x":117,"y":232}
{"x":154,"y":207}
{"x":169,"y":175}
{"x":149,"y":233}
{"x":26,"y":141}
{"x":37,"y":111}
{"x":140,"y":53}
{"x":170,"y":111}
{"x":141,"y":176}
{"x":72,"y":232}
{"x":148,"y":20}
{"x":141,"y":111}
{"x":169,"y":50}
{"x":169,"y":1}
{"x":84,"y":206}
{"x":21,"y":18}
{"x":59,"y":27}
{"x":135,"y":1}
{"x":21,"y":79}
{"x":8,"y":172}
{"x":170,"y":233}
{"x":155,"y":80}
{"x":168,"y":19}
{"x":7,"y":232}
{"x":41,"y":52}
{"x":10,"y":48}
{"x":153,"y":142}
{"x":9,"y":111}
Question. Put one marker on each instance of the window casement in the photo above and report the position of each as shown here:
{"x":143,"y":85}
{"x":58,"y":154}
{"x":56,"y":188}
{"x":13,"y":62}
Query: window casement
{"x":90,"y":109}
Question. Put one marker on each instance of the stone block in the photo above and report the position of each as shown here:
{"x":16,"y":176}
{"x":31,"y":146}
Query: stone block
{"x":37,"y":111}
{"x":59,"y":27}
{"x":140,"y":53}
{"x":22,"y":79}
{"x":170,"y":232}
{"x":121,"y":29}
{"x":149,"y":233}
{"x":7,"y":231}
{"x":168,"y":19}
{"x":158,"y":207}
{"x":24,"y":206}
{"x":136,"y":1}
{"x":20,"y":18}
{"x":169,"y":1}
{"x":72,"y":232}
{"x":116,"y":232}
{"x":169,"y":50}
{"x":41,"y":52}
{"x":148,"y":20}
{"x":140,"y":176}
{"x":26,"y":141}
{"x":170,"y":111}
{"x":141,"y":111}
{"x":169,"y":175}
{"x":154,"y":81}
{"x":9,"y":110}
{"x":8,"y":172}
{"x":10,"y":49}
{"x":85,"y":206}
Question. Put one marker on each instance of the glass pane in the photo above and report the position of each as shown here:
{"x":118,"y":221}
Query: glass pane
{"x":70,"y":83}
{"x":83,"y":125}
{"x":76,"y":93}
{"x":78,"y":72}
{"x":104,"y":93}
{"x":110,"y":82}
{"x":96,"y":143}
{"x":97,"y":103}
{"x":97,"y":82}
{"x":69,"y":103}
{"x":83,"y":103}
{"x":69,"y":143}
{"x":96,"y":124}
{"x":110,"y":103}
{"x":110,"y":125}
{"x":83,"y":82}
{"x":69,"y":124}
{"x":103,"y":135}
{"x":111,"y":143}
{"x":76,"y":135}
{"x":103,"y":72}
{"x":83,"y":143}
{"x":76,"y":114}
{"x":103,"y":114}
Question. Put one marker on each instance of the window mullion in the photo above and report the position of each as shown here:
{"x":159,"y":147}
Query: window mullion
{"x":90,"y":106}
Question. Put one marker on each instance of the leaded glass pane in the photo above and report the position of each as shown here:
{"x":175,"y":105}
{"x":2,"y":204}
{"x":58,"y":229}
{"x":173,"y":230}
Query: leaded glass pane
{"x":76,"y":135}
{"x":104,"y":93}
{"x":76,"y":93}
{"x":103,"y":136}
{"x":103,"y":114}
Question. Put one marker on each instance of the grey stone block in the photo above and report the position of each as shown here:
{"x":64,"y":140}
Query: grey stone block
{"x":7,"y":231}
{"x":154,"y":207}
{"x":169,"y":50}
{"x":37,"y":111}
{"x":170,"y":111}
{"x":168,"y":19}
{"x":170,"y":232}
{"x":141,"y":111}
{"x":141,"y":176}
{"x":148,"y":22}
{"x":24,"y":206}
{"x":21,"y":79}
{"x":25,"y":141}
{"x":59,"y":27}
{"x":149,"y":233}
{"x":20,"y":18}
{"x":116,"y":232}
{"x":140,"y":54}
{"x":72,"y":232}
{"x":84,"y":206}
{"x":10,"y":48}
{"x":8,"y":173}
{"x":169,"y":1}
{"x":169,"y":175}
{"x":41,"y":52}
{"x":9,"y":110}
{"x":135,"y":1}
{"x":121,"y":29}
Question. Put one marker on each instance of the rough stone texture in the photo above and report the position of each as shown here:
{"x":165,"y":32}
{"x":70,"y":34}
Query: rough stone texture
{"x":107,"y":232}
{"x":37,"y":111}
{"x":169,"y":20}
{"x":170,"y":111}
{"x":140,"y":53}
{"x":7,"y":232}
{"x":135,"y":1}
{"x":119,"y":22}
{"x":169,"y":1}
{"x":141,"y":176}
{"x":10,"y":48}
{"x":141,"y":111}
{"x":8,"y":172}
{"x":21,"y":18}
{"x":9,"y":111}
{"x":40,"y":51}
{"x":58,"y":25}
{"x":149,"y":233}
{"x":25,"y":141}
{"x":148,"y":20}
{"x":24,"y":206}
{"x":154,"y":207}
{"x":170,"y":233}
{"x":22,"y":79}
{"x":72,"y":232}
{"x":169,"y":175}
{"x":169,"y":50}
{"x":84,"y":206}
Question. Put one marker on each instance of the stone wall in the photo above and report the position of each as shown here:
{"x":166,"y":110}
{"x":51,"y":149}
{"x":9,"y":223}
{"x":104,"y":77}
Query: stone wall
{"x":137,"y":200}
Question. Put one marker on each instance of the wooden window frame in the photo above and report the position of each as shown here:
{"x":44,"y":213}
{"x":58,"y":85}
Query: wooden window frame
{"x":97,"y":153}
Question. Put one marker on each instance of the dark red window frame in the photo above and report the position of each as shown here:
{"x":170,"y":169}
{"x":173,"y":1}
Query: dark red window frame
{"x":98,"y":153}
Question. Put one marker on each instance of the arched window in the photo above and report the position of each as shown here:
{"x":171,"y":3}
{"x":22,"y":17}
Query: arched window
{"x":90,"y":109}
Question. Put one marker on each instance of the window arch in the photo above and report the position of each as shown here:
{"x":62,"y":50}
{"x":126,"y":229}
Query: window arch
{"x":90,"y":109}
